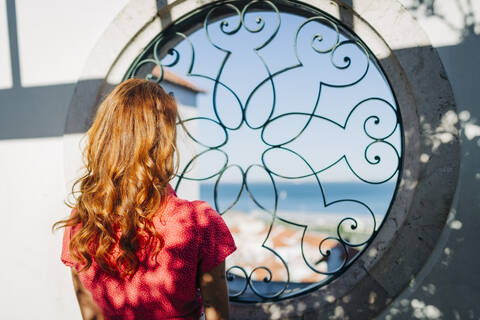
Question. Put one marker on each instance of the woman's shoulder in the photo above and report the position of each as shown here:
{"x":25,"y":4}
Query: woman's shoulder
{"x":179,"y":206}
{"x":199,"y":211}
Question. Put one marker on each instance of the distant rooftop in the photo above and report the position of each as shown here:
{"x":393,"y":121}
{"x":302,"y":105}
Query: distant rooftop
{"x":176,"y":79}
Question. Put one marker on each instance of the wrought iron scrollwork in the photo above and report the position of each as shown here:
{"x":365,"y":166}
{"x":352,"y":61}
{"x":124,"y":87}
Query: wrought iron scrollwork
{"x":350,"y":62}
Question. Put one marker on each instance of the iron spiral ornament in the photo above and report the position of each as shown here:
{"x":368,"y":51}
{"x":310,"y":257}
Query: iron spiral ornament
{"x":324,"y":56}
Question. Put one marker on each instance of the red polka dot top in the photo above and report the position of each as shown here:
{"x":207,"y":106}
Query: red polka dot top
{"x":196,"y":240}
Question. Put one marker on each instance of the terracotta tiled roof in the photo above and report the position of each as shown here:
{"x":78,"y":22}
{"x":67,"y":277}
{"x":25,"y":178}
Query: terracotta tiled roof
{"x":176,"y":79}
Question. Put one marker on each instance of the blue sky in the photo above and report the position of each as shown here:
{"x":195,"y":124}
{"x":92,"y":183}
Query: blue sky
{"x":296,"y":90}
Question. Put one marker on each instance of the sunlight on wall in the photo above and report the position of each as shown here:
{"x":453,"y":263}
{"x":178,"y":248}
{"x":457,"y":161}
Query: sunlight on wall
{"x":31,"y":202}
{"x":419,"y":310}
{"x":6,"y":72}
{"x":448,"y":19}
{"x":50,"y":54}
{"x":469,"y":125}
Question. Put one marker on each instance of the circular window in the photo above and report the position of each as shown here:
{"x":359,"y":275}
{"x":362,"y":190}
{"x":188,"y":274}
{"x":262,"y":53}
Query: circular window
{"x":289,"y":129}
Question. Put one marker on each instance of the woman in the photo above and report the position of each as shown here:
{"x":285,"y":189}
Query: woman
{"x":135,"y":249}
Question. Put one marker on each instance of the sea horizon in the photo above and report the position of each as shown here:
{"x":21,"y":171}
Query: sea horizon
{"x":341,"y":198}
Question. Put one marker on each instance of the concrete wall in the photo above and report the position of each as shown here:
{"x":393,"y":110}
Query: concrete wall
{"x":448,"y":287}
{"x":42,"y":52}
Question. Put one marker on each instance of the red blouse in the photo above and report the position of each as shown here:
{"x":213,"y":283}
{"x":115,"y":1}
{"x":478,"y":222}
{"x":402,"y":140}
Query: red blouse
{"x":196,"y":240}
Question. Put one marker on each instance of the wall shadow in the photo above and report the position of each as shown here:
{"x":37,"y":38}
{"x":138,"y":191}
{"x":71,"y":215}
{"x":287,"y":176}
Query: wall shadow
{"x":449,"y":287}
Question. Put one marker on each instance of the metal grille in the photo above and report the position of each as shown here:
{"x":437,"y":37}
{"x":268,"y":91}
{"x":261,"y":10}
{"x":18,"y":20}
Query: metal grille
{"x":324,"y":114}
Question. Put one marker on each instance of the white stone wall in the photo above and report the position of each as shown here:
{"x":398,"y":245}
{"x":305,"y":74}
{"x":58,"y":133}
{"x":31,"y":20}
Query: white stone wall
{"x":54,"y":41}
{"x":38,"y":163}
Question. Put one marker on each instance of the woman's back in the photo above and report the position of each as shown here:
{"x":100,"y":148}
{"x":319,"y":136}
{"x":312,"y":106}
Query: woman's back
{"x":196,"y":240}
{"x":136,"y":250}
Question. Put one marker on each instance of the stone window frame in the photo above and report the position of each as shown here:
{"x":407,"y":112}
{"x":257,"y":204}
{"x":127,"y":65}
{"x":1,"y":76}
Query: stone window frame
{"x":430,"y":146}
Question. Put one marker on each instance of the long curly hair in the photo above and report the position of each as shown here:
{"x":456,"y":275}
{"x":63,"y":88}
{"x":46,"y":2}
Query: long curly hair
{"x":129,"y":160}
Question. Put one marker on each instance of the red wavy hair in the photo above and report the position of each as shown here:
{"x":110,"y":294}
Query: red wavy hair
{"x":129,"y":160}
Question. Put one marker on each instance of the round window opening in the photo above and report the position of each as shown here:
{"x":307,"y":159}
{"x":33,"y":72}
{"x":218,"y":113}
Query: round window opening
{"x":289,"y":129}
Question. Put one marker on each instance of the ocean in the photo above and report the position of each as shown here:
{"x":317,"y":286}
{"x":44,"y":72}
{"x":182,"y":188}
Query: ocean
{"x":303,"y":198}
